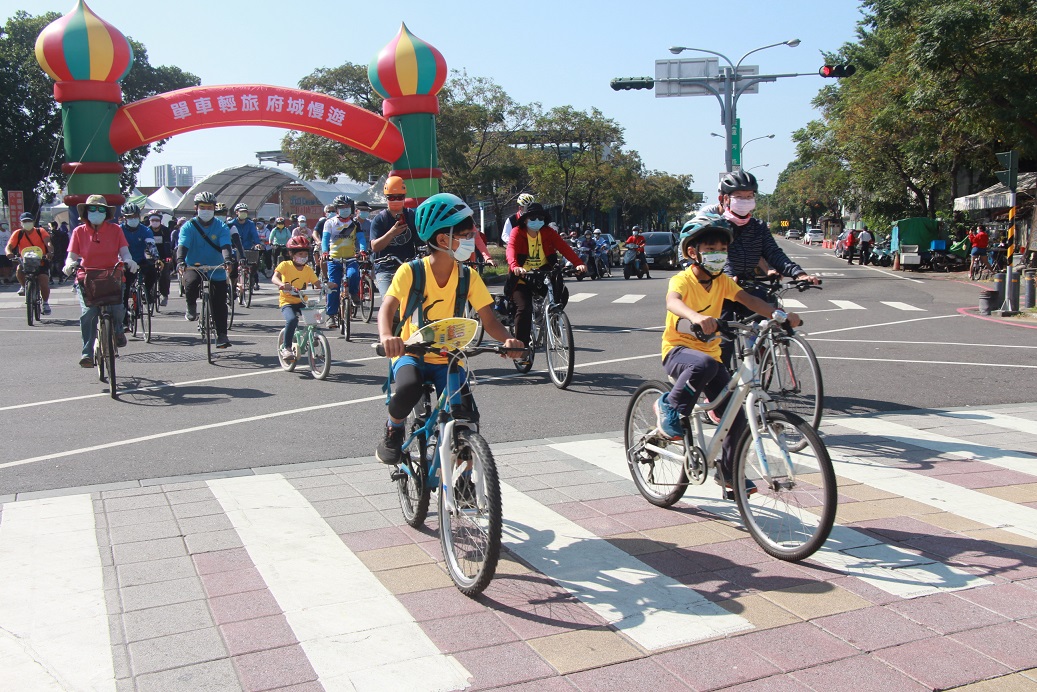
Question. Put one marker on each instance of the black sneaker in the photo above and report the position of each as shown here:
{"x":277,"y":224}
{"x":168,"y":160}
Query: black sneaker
{"x":389,"y":450}
{"x":222,"y":341}
{"x":120,"y":340}
{"x":191,"y":315}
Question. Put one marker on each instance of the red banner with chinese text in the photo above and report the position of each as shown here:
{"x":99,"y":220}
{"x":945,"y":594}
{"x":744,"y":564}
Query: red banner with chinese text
{"x":197,"y":108}
{"x":15,"y":207}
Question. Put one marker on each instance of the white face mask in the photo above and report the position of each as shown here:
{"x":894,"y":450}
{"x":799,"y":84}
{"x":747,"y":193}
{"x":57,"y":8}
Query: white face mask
{"x":534,"y":225}
{"x":96,"y":218}
{"x":742,"y":207}
{"x":713,"y":262}
{"x":300,"y":259}
{"x":155,"y":223}
{"x":243,"y":215}
{"x":206,"y":215}
{"x":26,"y":225}
{"x":465,"y":248}
{"x":132,"y":223}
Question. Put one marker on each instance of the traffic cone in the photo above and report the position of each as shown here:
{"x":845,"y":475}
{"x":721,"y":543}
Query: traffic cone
{"x":896,"y":261}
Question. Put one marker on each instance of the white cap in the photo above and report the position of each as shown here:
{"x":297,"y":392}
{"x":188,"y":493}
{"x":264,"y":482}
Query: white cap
{"x":302,"y":218}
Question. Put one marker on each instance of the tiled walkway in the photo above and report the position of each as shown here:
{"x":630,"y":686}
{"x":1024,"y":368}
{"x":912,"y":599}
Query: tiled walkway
{"x":305,"y":578}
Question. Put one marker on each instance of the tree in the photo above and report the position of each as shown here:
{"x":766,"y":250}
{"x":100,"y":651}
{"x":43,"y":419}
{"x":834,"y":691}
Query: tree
{"x":31,"y":119}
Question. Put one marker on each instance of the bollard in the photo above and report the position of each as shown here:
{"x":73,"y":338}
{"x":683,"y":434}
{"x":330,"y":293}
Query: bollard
{"x":1013,"y":290}
{"x":1029,"y":288}
{"x":999,"y":288}
{"x":986,"y":301}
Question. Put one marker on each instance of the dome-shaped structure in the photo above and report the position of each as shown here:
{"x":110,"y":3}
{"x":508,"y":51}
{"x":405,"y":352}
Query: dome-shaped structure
{"x":83,"y":47}
{"x":407,"y":66}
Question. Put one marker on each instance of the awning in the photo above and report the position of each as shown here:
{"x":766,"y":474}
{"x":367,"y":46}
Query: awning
{"x":997,"y":196}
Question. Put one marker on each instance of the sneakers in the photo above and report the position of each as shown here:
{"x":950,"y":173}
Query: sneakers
{"x":86,"y":362}
{"x":21,"y":291}
{"x":332,"y":322}
{"x":668,"y":420}
{"x":46,"y":308}
{"x":222,"y":341}
{"x":287,"y":355}
{"x":191,"y":315}
{"x":120,"y":340}
{"x":162,"y":301}
{"x":729,"y":490}
{"x":389,"y":450}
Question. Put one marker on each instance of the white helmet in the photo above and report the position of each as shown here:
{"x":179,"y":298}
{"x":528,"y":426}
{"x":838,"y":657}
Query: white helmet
{"x":525,"y":199}
{"x":597,"y":231}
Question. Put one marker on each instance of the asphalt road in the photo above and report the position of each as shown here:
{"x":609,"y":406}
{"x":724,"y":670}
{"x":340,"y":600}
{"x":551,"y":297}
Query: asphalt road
{"x":902,"y":344}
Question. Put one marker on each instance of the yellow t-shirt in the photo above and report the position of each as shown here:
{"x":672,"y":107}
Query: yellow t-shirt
{"x":536,"y":258}
{"x":296,"y":277}
{"x":695,"y":296}
{"x":439,"y":300}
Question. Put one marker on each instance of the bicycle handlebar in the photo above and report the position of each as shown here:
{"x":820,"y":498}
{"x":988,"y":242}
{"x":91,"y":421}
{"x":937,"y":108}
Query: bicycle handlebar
{"x":424,"y":349}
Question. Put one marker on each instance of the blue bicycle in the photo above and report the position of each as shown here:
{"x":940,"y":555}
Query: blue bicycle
{"x":444,"y":451}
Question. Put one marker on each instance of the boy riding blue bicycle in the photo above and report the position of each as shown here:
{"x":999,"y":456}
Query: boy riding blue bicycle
{"x":425,"y":290}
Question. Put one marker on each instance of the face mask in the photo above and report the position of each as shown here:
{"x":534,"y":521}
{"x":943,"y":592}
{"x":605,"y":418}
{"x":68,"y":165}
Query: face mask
{"x":206,"y":215}
{"x":26,"y":225}
{"x":280,"y":225}
{"x":534,"y":225}
{"x":302,"y":224}
{"x":364,"y":214}
{"x":742,"y":207}
{"x":132,"y":223}
{"x":713,"y":262}
{"x":243,"y":215}
{"x":96,"y":218}
{"x":464,"y":249}
{"x":155,"y":223}
{"x":345,"y":213}
{"x":300,"y":259}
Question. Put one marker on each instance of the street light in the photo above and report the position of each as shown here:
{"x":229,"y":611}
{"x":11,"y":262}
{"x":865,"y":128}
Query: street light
{"x":742,"y":150}
{"x":762,"y":165}
{"x":730,"y":76}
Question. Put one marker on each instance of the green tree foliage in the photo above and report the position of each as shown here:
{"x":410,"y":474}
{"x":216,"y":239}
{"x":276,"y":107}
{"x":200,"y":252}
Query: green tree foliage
{"x":31,"y":120}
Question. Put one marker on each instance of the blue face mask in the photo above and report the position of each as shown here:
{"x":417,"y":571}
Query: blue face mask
{"x":535,"y":225}
{"x":345,"y":213}
{"x":364,"y":214}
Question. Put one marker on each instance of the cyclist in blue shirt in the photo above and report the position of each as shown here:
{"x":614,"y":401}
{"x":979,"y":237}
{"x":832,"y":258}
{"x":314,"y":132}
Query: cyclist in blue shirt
{"x":141,"y":241}
{"x":206,"y":240}
{"x":244,"y":236}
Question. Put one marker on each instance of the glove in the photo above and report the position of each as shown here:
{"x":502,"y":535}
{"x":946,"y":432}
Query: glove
{"x":181,"y":267}
{"x":131,"y":266}
{"x":70,"y":267}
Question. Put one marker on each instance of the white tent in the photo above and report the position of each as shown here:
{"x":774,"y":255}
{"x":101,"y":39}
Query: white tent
{"x":164,"y":198}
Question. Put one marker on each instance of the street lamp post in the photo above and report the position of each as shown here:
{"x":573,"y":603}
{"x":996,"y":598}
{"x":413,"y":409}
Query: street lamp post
{"x":742,"y":150}
{"x":729,"y":99}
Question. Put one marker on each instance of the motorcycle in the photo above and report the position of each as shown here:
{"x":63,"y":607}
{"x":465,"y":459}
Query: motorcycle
{"x":585,"y":259}
{"x":634,"y":263}
{"x":601,"y":261}
{"x":881,"y":256}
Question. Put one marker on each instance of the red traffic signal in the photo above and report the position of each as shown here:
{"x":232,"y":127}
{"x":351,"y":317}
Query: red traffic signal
{"x":837,"y":71}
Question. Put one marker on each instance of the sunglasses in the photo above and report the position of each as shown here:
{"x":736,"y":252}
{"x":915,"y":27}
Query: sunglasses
{"x":396,"y":198}
{"x":94,"y":207}
{"x":535,"y":217}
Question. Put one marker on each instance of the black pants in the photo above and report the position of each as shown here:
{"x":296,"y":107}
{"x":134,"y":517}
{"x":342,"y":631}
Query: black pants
{"x":57,"y":266}
{"x":150,"y":276}
{"x":522,"y":295}
{"x":865,"y":252}
{"x":217,"y":298}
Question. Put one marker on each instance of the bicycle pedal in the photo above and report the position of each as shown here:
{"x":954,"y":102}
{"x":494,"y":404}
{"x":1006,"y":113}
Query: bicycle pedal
{"x":397,"y":475}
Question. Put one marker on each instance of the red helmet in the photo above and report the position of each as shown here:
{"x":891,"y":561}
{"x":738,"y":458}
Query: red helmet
{"x":299,"y":242}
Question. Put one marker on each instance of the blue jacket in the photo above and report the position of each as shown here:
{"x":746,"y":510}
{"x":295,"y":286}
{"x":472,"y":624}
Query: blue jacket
{"x":137,"y":238}
{"x":246,"y":231}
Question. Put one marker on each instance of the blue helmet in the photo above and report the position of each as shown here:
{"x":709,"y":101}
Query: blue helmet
{"x":694,"y":229}
{"x":440,"y":211}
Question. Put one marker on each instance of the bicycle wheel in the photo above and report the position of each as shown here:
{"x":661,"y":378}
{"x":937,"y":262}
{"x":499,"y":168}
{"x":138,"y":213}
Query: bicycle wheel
{"x":412,"y":487}
{"x":792,"y":511}
{"x":99,"y":350}
{"x":366,"y":298}
{"x":230,"y":308}
{"x":285,"y":365}
{"x":656,"y":463}
{"x":109,"y":348}
{"x":558,"y":345}
{"x":319,"y":355}
{"x":206,"y":326}
{"x":145,"y":318}
{"x":30,"y":299}
{"x":133,"y":314}
{"x":248,"y":294}
{"x":790,"y":374}
{"x":471,"y":534}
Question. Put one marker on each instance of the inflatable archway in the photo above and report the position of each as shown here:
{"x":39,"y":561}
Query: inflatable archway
{"x":88,"y":58}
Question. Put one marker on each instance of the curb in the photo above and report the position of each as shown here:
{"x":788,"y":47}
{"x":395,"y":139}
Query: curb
{"x":972,"y":312}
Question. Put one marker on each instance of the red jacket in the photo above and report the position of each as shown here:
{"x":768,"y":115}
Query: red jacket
{"x":518,"y":247}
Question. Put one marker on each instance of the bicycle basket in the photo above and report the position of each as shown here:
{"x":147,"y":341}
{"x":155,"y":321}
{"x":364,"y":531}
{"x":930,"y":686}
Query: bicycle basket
{"x":102,"y":286}
{"x":31,"y":263}
{"x":252,"y":256}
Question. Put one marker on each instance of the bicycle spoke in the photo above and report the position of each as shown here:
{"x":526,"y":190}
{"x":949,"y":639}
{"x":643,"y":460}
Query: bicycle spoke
{"x":656,"y":464}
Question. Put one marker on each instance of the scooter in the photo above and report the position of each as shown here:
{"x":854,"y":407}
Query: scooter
{"x":634,"y":263}
{"x":585,"y":259}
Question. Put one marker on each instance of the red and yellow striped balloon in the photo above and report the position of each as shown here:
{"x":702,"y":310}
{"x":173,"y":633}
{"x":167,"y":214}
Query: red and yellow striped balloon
{"x":83,"y":47}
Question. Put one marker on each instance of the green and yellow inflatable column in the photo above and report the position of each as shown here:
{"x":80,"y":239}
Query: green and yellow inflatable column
{"x":409,"y":73}
{"x":87,"y":58}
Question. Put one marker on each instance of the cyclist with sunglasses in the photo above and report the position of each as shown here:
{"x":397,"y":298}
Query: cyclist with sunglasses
{"x":394,"y":233}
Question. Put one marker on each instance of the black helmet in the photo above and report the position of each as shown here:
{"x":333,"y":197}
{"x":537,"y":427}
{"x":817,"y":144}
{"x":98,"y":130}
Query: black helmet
{"x":26,"y":217}
{"x":342,"y":201}
{"x":205,"y":198}
{"x":130,"y":210}
{"x":738,"y":181}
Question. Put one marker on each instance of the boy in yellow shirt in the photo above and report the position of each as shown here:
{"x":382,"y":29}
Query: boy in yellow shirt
{"x":697,"y":294}
{"x":293,"y":273}
{"x":445,"y":222}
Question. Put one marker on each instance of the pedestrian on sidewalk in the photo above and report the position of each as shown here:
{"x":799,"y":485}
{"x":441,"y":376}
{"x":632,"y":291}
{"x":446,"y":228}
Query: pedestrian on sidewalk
{"x":865,"y":240}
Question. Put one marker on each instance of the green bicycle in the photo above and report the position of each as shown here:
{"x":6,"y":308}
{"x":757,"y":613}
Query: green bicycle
{"x":309,"y":341}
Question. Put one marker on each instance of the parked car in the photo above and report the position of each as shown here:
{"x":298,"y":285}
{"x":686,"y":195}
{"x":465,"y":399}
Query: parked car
{"x":660,"y":249}
{"x":840,"y":245}
{"x":814,"y":235}
{"x":793,"y":234}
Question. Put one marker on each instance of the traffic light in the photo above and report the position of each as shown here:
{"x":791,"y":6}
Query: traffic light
{"x":623,"y":83}
{"x":837,"y":71}
{"x":1009,"y":176}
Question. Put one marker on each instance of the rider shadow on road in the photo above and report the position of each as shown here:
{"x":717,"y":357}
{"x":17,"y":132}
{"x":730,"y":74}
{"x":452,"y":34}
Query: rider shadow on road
{"x":145,"y":392}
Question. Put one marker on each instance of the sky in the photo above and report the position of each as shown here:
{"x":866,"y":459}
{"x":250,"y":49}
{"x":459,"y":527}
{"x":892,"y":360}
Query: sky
{"x":555,"y":52}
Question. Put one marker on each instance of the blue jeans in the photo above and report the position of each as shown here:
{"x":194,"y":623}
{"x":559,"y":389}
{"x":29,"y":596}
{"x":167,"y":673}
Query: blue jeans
{"x":382,"y":281}
{"x":335,"y":277}
{"x":291,"y":323}
{"x":88,"y":322}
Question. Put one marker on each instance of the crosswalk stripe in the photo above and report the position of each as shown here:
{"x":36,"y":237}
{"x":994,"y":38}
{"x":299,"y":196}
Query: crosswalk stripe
{"x":792,"y":303}
{"x":846,"y":305}
{"x":901,"y":306}
{"x":998,"y":420}
{"x":352,"y":628}
{"x":579,"y":297}
{"x":654,"y":610}
{"x":963,"y":449}
{"x":53,"y":615}
{"x":892,"y":569}
{"x":629,"y":298}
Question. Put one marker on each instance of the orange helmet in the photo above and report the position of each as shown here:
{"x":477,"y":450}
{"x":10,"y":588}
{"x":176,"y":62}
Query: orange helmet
{"x":394,"y":185}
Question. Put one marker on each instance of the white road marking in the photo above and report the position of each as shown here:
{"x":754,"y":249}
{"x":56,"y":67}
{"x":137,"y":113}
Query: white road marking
{"x":654,"y":610}
{"x":892,"y":569}
{"x":792,"y":303}
{"x":962,"y":449}
{"x":350,"y":625}
{"x":901,"y":306}
{"x":629,"y":298}
{"x":53,"y":616}
{"x":579,"y":297}
{"x":846,"y":305}
{"x":883,"y":324}
{"x":921,"y":343}
{"x":901,"y":361}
